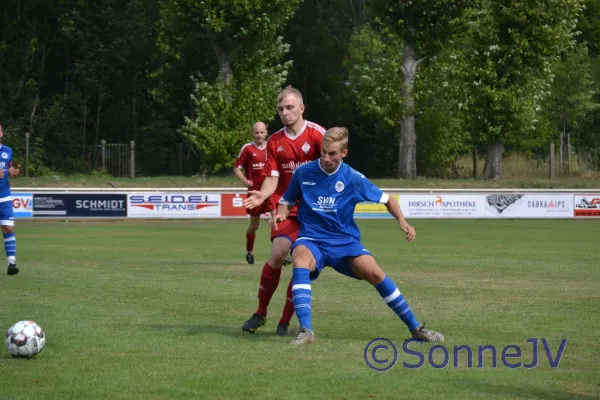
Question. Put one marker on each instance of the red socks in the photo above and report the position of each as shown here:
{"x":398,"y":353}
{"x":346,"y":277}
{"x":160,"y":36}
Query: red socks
{"x":288,"y":310}
{"x":250,"y":242}
{"x":268,"y":284}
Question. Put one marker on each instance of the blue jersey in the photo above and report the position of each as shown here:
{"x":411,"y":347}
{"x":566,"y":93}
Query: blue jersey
{"x":5,"y":162}
{"x":327,"y":201}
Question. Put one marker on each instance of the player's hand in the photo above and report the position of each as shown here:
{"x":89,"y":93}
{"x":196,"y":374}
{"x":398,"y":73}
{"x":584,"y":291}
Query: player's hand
{"x":275,"y":219}
{"x":409,"y":230}
{"x":249,"y":183}
{"x":255,"y":199}
{"x":13,"y":172}
{"x":1,"y":173}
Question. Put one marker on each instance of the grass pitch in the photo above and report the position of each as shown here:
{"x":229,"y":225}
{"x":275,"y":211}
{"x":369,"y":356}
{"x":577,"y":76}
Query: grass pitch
{"x":153,"y":310}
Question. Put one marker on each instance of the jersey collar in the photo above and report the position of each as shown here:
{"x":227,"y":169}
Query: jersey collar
{"x":334,"y":172}
{"x":297,"y":135}
{"x":264,"y":146}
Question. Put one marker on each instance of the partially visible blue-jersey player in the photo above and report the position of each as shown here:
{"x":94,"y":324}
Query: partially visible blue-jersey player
{"x":7,"y":220}
{"x":328,"y":191}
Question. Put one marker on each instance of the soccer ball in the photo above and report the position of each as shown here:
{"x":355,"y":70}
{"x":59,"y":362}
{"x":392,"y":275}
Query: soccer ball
{"x":25,"y":339}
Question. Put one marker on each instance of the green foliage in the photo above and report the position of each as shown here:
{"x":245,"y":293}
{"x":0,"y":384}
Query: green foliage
{"x":374,"y":76}
{"x":506,"y":68}
{"x":427,"y":24}
{"x":227,"y":111}
{"x":572,"y":92}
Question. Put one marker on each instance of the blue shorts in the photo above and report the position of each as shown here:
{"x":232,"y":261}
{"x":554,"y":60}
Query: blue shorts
{"x":333,"y":255}
{"x":6,"y":214}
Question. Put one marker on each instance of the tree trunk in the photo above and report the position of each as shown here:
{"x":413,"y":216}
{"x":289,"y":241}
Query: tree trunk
{"x":407,"y":151}
{"x":84,"y":119}
{"x":492,"y":168}
{"x":561,"y":149}
{"x":224,"y":57}
{"x":474,"y":162}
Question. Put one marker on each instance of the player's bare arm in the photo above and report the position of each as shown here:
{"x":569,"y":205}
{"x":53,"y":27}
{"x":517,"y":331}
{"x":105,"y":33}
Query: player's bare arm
{"x":394,"y":209}
{"x":257,"y":197}
{"x":240,"y":175}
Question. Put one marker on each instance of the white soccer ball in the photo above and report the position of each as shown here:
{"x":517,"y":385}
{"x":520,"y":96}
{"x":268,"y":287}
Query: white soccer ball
{"x":25,"y":339}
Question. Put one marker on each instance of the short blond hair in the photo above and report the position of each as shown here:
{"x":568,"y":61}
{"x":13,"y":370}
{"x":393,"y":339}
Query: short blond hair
{"x":337,"y":134}
{"x":290,"y":90}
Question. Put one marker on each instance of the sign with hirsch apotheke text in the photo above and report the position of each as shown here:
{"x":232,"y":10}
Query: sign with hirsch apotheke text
{"x":442,"y":205}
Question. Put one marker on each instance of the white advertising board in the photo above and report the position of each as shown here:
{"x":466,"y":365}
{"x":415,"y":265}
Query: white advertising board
{"x":526,"y":205}
{"x":173,"y":205}
{"x":442,"y":205}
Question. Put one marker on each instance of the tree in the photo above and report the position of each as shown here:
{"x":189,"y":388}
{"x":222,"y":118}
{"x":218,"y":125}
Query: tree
{"x":424,"y":26}
{"x":572,"y":94}
{"x":507,"y":68}
{"x":244,"y":36}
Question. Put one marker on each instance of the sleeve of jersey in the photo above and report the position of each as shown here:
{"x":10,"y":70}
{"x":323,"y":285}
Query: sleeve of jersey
{"x":318,"y":136}
{"x":270,"y":168}
{"x":241,"y":159}
{"x":292,"y":193}
{"x":369,"y":192}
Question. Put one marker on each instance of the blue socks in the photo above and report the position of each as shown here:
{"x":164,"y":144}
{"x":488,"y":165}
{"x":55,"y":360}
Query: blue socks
{"x":302,"y":296}
{"x":10,"y":247}
{"x":394,"y":299}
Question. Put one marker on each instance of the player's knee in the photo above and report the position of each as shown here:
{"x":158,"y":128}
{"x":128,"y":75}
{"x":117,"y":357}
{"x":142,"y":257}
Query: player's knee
{"x":302,"y":257}
{"x":7,"y":229}
{"x":377,"y":276}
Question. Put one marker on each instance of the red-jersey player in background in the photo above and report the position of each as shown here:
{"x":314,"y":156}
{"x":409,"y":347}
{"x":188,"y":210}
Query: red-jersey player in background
{"x":252,"y":160}
{"x":297,"y":143}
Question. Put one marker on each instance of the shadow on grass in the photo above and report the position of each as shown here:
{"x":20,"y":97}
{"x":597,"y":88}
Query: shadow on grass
{"x":235,"y":332}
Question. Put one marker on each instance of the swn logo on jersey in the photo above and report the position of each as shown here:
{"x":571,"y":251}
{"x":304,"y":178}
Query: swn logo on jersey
{"x":292,"y":165}
{"x":259,"y":165}
{"x":172,"y":202}
{"x":326,"y":201}
{"x":325,"y":204}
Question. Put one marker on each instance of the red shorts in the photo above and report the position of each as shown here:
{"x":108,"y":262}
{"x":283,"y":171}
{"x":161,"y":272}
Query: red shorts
{"x":258,"y":211}
{"x":288,"y":229}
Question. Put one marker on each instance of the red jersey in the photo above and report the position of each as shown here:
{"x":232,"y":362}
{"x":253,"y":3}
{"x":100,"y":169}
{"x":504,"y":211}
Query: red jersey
{"x":286,"y":152}
{"x":252,"y":160}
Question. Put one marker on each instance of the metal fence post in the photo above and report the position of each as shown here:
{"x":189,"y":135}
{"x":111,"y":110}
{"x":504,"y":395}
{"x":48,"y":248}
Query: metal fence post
{"x":27,"y":135}
{"x":180,"y":156}
{"x":552,"y":162}
{"x":103,"y":154}
{"x":132,"y":159}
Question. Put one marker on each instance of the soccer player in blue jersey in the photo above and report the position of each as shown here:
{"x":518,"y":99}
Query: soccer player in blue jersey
{"x":328,"y":190}
{"x":6,"y":208}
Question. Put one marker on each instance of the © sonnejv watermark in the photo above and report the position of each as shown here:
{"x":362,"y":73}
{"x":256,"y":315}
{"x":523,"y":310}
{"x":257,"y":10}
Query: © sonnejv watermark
{"x":381,"y":354}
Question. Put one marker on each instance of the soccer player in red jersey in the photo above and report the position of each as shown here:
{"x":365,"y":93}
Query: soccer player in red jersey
{"x":296,"y":144}
{"x":252,"y":160}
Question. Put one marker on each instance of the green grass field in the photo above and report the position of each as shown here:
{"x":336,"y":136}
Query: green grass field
{"x":153,"y":310}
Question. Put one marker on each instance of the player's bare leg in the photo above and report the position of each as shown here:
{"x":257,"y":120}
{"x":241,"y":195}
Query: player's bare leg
{"x":269,"y":281}
{"x":10,"y":247}
{"x":366,"y":268}
{"x":250,"y":237}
